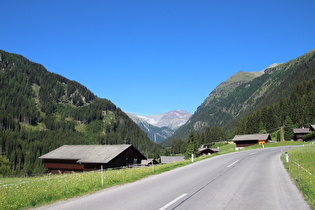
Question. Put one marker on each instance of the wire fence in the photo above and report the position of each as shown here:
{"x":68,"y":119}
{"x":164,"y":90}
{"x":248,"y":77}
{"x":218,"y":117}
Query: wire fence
{"x":295,"y":167}
{"x":304,"y":169}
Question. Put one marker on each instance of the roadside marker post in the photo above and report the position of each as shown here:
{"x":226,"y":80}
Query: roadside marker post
{"x":286,"y":157}
{"x":299,"y":173}
{"x":102,"y":175}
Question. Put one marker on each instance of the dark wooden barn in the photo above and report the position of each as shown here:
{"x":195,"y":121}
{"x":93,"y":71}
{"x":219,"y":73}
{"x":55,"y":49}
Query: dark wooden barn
{"x":300,"y":132}
{"x":250,"y":139}
{"x":79,"y":158}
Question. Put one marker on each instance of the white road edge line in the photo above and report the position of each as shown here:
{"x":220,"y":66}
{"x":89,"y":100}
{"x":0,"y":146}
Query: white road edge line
{"x":173,"y":201}
{"x":232,"y":163}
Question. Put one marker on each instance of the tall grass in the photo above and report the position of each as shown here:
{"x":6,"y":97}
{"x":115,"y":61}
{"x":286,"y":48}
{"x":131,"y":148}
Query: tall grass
{"x":226,"y":148}
{"x":304,"y":177}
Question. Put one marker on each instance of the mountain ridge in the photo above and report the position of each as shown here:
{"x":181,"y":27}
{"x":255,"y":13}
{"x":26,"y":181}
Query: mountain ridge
{"x":230,"y":101}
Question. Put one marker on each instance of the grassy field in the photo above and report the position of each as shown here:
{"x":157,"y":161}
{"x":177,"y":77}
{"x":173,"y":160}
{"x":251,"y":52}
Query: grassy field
{"x":303,"y":175}
{"x":18,"y":193}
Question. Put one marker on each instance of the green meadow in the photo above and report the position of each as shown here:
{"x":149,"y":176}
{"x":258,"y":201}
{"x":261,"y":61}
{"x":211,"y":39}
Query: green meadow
{"x":301,"y":168}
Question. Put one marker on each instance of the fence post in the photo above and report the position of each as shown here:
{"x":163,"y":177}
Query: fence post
{"x":102,"y":176}
{"x":299,"y":173}
{"x":287,"y":159}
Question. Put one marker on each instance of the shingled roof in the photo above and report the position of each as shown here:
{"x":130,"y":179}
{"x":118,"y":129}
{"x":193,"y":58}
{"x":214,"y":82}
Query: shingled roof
{"x":301,"y":130}
{"x":250,"y":137}
{"x":87,"y":153}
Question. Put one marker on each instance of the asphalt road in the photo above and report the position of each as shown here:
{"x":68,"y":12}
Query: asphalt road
{"x":254,"y":179}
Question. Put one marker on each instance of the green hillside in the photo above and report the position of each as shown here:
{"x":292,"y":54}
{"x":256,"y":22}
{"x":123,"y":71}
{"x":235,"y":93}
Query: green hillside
{"x":228,"y":86}
{"x":225,"y":107}
{"x":40,"y":111}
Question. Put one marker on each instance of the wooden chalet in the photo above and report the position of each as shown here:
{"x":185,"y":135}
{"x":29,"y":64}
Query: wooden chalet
{"x":171,"y":159}
{"x":207,"y":151}
{"x":79,"y":158}
{"x":312,"y":128}
{"x":300,"y":132}
{"x":250,"y":139}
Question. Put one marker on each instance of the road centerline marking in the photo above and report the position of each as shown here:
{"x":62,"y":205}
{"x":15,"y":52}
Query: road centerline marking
{"x":232,"y":163}
{"x":173,"y":201}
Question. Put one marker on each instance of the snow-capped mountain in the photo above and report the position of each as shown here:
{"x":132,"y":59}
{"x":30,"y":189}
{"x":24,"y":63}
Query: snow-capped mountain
{"x":173,"y":119}
{"x":159,"y":127}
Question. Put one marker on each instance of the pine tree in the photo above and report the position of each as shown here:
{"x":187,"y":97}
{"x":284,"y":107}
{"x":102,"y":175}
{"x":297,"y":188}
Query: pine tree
{"x":4,"y":166}
{"x":190,"y":145}
{"x":288,"y":129}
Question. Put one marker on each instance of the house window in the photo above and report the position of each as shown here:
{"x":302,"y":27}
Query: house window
{"x":135,"y":160}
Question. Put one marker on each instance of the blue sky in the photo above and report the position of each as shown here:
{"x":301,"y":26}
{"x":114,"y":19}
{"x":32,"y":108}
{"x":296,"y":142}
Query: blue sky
{"x":154,"y":56}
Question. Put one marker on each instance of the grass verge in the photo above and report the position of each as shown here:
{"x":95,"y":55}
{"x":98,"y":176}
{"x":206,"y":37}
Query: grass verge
{"x":302,"y":171}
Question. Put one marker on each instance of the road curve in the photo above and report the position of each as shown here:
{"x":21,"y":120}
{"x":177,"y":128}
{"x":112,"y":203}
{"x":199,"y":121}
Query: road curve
{"x":254,"y":179}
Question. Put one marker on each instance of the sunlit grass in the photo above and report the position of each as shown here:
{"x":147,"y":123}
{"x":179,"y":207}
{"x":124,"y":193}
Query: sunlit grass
{"x":226,"y":149}
{"x":304,"y":178}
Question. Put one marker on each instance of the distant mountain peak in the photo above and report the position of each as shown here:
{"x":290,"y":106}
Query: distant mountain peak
{"x":161,"y":126}
{"x":226,"y":87}
{"x":271,"y":66}
{"x":172,"y":119}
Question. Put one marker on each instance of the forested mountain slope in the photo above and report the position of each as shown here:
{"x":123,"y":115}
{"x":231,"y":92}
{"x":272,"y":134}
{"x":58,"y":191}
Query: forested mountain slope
{"x":40,"y":111}
{"x":224,"y":107}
